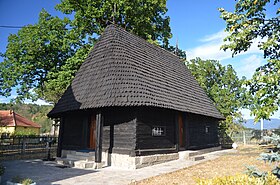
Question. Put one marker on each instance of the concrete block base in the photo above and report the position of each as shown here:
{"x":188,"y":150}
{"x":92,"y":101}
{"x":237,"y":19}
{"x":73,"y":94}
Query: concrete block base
{"x":128,"y":162}
{"x":86,"y":160}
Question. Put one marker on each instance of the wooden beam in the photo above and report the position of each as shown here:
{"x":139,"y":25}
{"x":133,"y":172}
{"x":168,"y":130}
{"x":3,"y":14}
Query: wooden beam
{"x":99,"y":135}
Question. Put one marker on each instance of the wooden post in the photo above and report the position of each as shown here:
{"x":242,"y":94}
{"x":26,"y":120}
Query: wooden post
{"x":176,"y":131}
{"x":99,"y":135}
{"x":60,"y":136}
{"x":187,"y":130}
{"x":23,"y":145}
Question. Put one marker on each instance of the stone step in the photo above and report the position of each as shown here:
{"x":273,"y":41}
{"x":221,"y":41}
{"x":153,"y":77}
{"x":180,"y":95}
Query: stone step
{"x":84,"y":164}
{"x":208,"y":150}
{"x":65,"y":161}
{"x":187,"y":154}
{"x":81,"y":164}
{"x":193,"y":153}
{"x":80,"y":157}
{"x":197,"y":158}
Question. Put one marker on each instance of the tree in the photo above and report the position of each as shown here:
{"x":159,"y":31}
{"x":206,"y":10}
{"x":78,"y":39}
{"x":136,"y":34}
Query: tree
{"x":42,"y":59}
{"x":144,"y":18}
{"x":223,"y":86}
{"x":32,"y":53}
{"x":246,"y":24}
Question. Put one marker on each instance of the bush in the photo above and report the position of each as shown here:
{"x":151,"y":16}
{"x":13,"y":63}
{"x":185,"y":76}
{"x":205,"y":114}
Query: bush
{"x":272,"y":157}
{"x":21,"y":180}
{"x":24,"y":133}
{"x":240,"y":179}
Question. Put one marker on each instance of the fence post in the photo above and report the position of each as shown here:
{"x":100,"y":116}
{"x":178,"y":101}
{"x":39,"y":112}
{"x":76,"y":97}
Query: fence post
{"x":23,"y":145}
{"x":244,"y":137}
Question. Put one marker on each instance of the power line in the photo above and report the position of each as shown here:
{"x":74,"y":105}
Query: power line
{"x":28,"y":26}
{"x":14,"y":27}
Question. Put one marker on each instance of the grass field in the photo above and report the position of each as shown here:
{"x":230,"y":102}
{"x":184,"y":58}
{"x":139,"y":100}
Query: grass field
{"x":229,"y":164}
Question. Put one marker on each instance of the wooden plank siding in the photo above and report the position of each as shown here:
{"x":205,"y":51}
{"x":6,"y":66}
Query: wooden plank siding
{"x":75,"y":131}
{"x":147,"y":118}
{"x":119,"y":130}
{"x":128,"y":130}
{"x":197,"y":137}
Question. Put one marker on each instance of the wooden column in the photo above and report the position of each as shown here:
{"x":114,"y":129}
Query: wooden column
{"x":176,"y":131}
{"x":85,"y":131}
{"x":99,"y":135}
{"x":187,"y":130}
{"x":181,"y":131}
{"x":60,"y":137}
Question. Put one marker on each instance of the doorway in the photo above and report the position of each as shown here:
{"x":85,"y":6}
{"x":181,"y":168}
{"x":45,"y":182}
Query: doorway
{"x":92,"y":132}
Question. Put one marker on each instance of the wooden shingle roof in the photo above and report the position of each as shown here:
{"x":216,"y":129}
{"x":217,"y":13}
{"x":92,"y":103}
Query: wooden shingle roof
{"x":125,"y":70}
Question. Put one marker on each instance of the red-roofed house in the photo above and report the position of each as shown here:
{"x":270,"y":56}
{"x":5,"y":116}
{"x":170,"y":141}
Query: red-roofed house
{"x":11,"y":122}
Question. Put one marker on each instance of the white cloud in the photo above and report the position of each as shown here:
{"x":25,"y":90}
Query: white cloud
{"x":249,"y":65}
{"x":210,"y":48}
{"x":246,"y":114}
{"x":214,"y":37}
{"x":208,"y":51}
{"x":38,"y":102}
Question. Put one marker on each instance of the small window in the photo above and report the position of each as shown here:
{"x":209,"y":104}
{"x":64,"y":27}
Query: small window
{"x":158,"y":131}
{"x":207,"y":129}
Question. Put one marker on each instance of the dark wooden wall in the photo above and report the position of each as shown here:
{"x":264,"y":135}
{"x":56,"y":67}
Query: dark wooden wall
{"x":149,"y":117}
{"x":196,"y":136}
{"x":119,"y":131}
{"x":75,"y":134}
{"x":128,"y":130}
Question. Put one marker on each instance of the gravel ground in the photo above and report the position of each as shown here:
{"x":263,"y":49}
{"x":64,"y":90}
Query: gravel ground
{"x":229,"y":164}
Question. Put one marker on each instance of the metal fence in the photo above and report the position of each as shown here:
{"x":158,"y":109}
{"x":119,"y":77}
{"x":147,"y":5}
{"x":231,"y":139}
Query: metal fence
{"x":27,"y":146}
{"x":250,"y":137}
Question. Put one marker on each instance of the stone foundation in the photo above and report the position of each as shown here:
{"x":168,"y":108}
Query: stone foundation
{"x":65,"y":152}
{"x":128,"y":162}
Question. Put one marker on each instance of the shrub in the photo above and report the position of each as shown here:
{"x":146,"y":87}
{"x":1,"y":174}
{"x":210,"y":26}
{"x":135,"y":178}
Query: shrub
{"x":21,"y":180}
{"x":272,"y":157}
{"x":24,"y":133}
{"x":240,"y":179}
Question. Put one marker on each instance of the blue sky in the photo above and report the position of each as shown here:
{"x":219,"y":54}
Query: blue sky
{"x":195,"y":24}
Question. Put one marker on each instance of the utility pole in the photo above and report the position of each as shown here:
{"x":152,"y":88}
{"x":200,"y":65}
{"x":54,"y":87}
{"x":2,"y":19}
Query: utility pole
{"x":261,"y":128}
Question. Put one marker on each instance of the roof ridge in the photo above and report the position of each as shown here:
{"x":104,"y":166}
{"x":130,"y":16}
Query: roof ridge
{"x":146,"y":41}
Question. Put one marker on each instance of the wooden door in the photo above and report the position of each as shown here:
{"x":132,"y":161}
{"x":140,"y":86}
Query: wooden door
{"x":181,"y":131}
{"x":92,"y":132}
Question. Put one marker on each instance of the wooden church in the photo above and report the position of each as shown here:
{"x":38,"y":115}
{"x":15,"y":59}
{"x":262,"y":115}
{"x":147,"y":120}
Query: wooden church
{"x":131,"y":100}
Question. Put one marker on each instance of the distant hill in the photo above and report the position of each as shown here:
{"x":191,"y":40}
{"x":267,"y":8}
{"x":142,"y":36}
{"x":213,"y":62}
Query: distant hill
{"x":273,"y":123}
